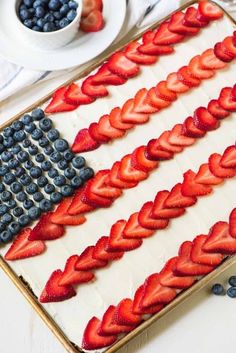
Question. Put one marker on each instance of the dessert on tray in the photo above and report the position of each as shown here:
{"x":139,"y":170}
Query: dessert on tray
{"x":156,"y":123}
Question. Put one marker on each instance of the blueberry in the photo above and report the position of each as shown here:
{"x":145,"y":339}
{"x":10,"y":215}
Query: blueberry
{"x":38,"y":3}
{"x":28,"y":165}
{"x":6,"y":236}
{"x":39,"y":158}
{"x":13,"y":163}
{"x":33,"y":150}
{"x":23,"y":7}
{"x":78,"y":162}
{"x":59,"y":180}
{"x":69,"y":173}
{"x":64,"y":9}
{"x":28,"y":23}
{"x":67,"y":190}
{"x":24,"y":14}
{"x":52,"y":173}
{"x":17,"y":125}
{"x":37,"y":134}
{"x":16,"y":187}
{"x":8,"y":131}
{"x":73,"y":5}
{"x":42,"y":181}
{"x":76,"y":182}
{"x":34,"y":19}
{"x":2,"y":187}
{"x":36,"y":28}
{"x":24,"y":220}
{"x":26,"y":119}
{"x":218,"y":289}
{"x":11,"y":204}
{"x":28,"y":3}
{"x":23,"y":156}
{"x":6,"y":156}
{"x":68,"y":155}
{"x":25,"y":179}
{"x":30,"y":127}
{"x":3,"y":209}
{"x":86,"y":173}
{"x":57,"y":15}
{"x":39,"y":12}
{"x":19,"y":136}
{"x":45,"y":205}
{"x":2,"y":148}
{"x":19,"y":172}
{"x":45,"y":124}
{"x":18,"y":211}
{"x":4,"y":170}
{"x":71,"y":15}
{"x":48,"y":150}
{"x":232,"y":281}
{"x":7,"y":218}
{"x":56,"y":197}
{"x":9,"y":178}
{"x":21,"y":196}
{"x":26,"y":143}
{"x":49,"y":27}
{"x":35,"y":172}
{"x":28,"y":204}
{"x":49,"y":188}
{"x":37,"y":114}
{"x":61,"y":145}
{"x":2,"y":227}
{"x":14,"y":228}
{"x":43,"y":142}
{"x":41,"y":22}
{"x":231,"y":292}
{"x":64,"y":1}
{"x":34,"y":212}
{"x":53,"y":135}
{"x":8,"y":142}
{"x":32,"y":188}
{"x":38,"y":196}
{"x":49,"y":18}
{"x":62,"y":164}
{"x":56,"y":157}
{"x":46,"y":165}
{"x":64,"y":22}
{"x":16,"y":149}
{"x":54,"y":5}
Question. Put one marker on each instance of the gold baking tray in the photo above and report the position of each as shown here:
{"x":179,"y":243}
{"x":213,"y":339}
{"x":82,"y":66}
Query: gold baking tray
{"x":24,"y":287}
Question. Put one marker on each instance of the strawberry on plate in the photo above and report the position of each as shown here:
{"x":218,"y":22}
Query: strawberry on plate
{"x":46,"y":230}
{"x":218,"y":170}
{"x":160,"y":211}
{"x":203,"y":120}
{"x":190,"y":187}
{"x":220,"y":240}
{"x":147,"y":221}
{"x":61,"y":215}
{"x":200,"y":257}
{"x":71,"y":276}
{"x":90,"y":5}
{"x":133,"y":229}
{"x":75,"y":96}
{"x":209,"y":10}
{"x":109,"y":327}
{"x":58,"y":103}
{"x":135,"y":55}
{"x":84,"y":142}
{"x":232,"y":223}
{"x":86,"y":262}
{"x":164,"y":36}
{"x":119,"y":64}
{"x":124,"y":315}
{"x":94,"y":22}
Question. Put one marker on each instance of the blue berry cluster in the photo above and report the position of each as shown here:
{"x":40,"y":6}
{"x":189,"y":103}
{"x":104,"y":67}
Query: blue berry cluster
{"x":47,"y":15}
{"x":37,"y":169}
{"x":218,"y":289}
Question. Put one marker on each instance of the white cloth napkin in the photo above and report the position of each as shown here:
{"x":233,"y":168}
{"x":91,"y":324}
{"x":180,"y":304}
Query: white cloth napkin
{"x":140,"y":13}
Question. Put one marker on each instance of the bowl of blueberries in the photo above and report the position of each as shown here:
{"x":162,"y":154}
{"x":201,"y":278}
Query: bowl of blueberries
{"x":48,"y":24}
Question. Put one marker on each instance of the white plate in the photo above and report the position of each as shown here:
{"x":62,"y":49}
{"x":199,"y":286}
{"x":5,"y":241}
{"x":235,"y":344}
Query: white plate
{"x":83,"y":48}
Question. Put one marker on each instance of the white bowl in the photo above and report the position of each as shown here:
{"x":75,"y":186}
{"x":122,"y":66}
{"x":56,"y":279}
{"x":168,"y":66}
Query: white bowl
{"x":50,"y":40}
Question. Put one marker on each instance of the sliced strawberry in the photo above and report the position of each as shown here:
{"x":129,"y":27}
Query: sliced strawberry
{"x":84,"y":142}
{"x":190,"y":130}
{"x":94,"y":22}
{"x":176,"y":25}
{"x":177,"y":137}
{"x":148,"y":36}
{"x":200,"y":257}
{"x":108,"y":327}
{"x":233,"y":93}
{"x":175,"y":199}
{"x":58,"y":103}
{"x":23,"y":248}
{"x":133,"y":230}
{"x":133,"y":54}
{"x":217,"y":169}
{"x":164,"y":36}
{"x":161,"y":211}
{"x":92,"y":339}
{"x":230,"y":46}
{"x":175,"y":85}
{"x":128,"y":173}
{"x":208,"y":60}
{"x":137,"y":302}
{"x":105,"y":77}
{"x":46,"y":230}
{"x":86,"y":262}
{"x":71,"y":276}
{"x":99,"y":185}
{"x":96,"y":135}
{"x":220,"y":240}
{"x":191,"y":20}
{"x":203,"y":120}
{"x":184,"y":75}
{"x":216,"y":110}
{"x":205,"y":177}
{"x":163,"y":92}
{"x":155,"y":153}
{"x":156,"y":101}
{"x":155,"y":49}
{"x":196,"y":70}
{"x":155,"y":293}
{"x":221,"y":52}
{"x":226,"y":99}
{"x":61,"y":216}
{"x":114,"y":179}
{"x":90,"y":5}
{"x":210,"y":10}
{"x":75,"y":96}
{"x":146,"y":221}
{"x":128,"y":114}
{"x":139,"y":160}
{"x":232,"y":223}
{"x":77,"y":206}
{"x":228,"y":159}
{"x":165,"y":144}
{"x":119,"y":64}
{"x":191,"y":188}
{"x":116,"y":240}
{"x":54,"y":292}
{"x":100,"y":252}
{"x":92,"y":90}
{"x":93,"y":199}
{"x":105,"y":128}
{"x":168,"y":277}
{"x":116,"y":122}
{"x":142,"y":102}
{"x":124,"y":315}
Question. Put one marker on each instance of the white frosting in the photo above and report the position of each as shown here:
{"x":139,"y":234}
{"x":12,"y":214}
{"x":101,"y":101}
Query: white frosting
{"x":122,"y":278}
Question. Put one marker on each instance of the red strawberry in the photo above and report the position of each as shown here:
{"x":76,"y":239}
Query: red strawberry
{"x":86,"y":262}
{"x":191,"y":20}
{"x":99,"y":185}
{"x":84,"y":142}
{"x":176,"y":25}
{"x":190,"y":130}
{"x":169,"y":279}
{"x":71,"y":276}
{"x":77,"y":206}
{"x":216,"y":110}
{"x":230,"y":46}
{"x":200,"y":257}
{"x":221,"y":52}
{"x":208,"y":60}
{"x":175,"y":199}
{"x":226,"y":99}
{"x":105,"y":128}
{"x":128,"y":172}
{"x":100,"y":252}
{"x":184,"y":75}
{"x":46,"y":230}
{"x":133,"y":230}
{"x":232,"y":223}
{"x":116,"y":240}
{"x":146,"y":221}
{"x":23,"y":248}
{"x":96,"y":135}
{"x":123,"y":314}
{"x":204,"y":176}
{"x":108,"y":327}
{"x":119,"y":64}
{"x":233,"y":93}
{"x":217,"y":169}
{"x":191,"y":188}
{"x":155,"y":293}
{"x":105,"y":77}
{"x":154,"y":49}
{"x":175,"y":85}
{"x":228,"y":159}
{"x":54,"y":292}
{"x":156,"y":101}
{"x":58,"y":103}
{"x":209,"y":10}
{"x":92,"y":90}
{"x":115,"y":181}
{"x":196,"y":70}
{"x":93,"y":22}
{"x":115,"y":120}
{"x":142,"y":102}
{"x":164,"y":36}
{"x":92,"y":339}
{"x":177,"y":137}
{"x":61,"y":216}
{"x":161,"y":211}
{"x":220,"y":240}
{"x":75,"y":96}
{"x":139,"y":160}
{"x":155,"y":153}
{"x":137,"y":308}
{"x":128,"y":114}
{"x":163,"y":92}
{"x":90,"y":5}
{"x":203,"y":120}
{"x":133,"y":54}
{"x":148,"y":36}
{"x":93,"y":199}
{"x":165,"y":144}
